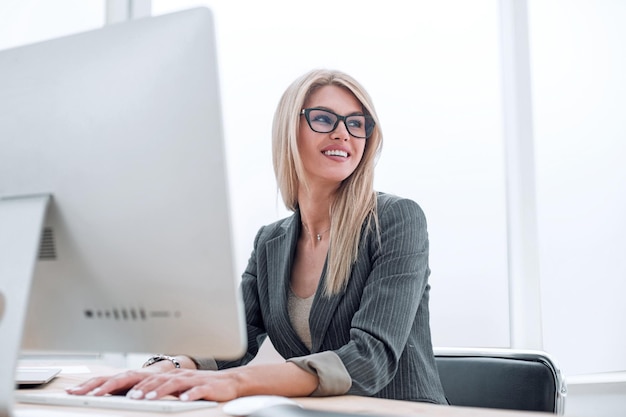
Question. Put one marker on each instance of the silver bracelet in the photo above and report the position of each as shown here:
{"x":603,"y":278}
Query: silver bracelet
{"x":158,"y":358}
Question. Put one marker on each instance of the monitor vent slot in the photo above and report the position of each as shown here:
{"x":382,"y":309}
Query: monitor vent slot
{"x":47,"y":248}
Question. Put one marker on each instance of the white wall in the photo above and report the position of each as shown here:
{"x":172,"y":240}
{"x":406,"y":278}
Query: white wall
{"x":580,"y":124}
{"x":596,"y":397}
{"x":29,"y":21}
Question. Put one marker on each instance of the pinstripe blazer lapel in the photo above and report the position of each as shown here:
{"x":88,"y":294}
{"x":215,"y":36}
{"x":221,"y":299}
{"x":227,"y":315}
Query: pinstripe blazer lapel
{"x":322,"y":313}
{"x":325,"y":309}
{"x":279,"y":252}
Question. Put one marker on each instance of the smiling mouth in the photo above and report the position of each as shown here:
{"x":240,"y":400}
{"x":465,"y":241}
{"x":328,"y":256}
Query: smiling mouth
{"x":336,"y":152}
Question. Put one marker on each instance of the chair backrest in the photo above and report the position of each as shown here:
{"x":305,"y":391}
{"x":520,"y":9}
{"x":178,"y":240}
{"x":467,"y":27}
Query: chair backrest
{"x":501,"y":378}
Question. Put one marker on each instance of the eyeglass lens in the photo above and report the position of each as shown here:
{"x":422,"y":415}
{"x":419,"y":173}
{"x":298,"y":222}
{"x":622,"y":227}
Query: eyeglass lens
{"x":324,"y":121}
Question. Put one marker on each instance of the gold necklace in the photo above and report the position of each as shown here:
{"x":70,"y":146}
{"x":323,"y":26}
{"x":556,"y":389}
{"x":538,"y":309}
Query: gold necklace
{"x":318,"y":236}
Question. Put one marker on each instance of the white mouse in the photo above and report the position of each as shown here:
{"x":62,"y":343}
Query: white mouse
{"x":244,"y":406}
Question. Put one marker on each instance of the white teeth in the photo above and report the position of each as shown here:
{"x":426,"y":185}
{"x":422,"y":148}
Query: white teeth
{"x":336,"y":152}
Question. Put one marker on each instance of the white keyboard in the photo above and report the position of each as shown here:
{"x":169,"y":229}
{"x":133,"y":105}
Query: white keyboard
{"x":118,"y":402}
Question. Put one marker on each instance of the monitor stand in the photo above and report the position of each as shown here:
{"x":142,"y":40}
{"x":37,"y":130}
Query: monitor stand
{"x":21,"y":223}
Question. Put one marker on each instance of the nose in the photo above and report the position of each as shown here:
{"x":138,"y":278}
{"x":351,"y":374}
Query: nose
{"x":341,"y":131}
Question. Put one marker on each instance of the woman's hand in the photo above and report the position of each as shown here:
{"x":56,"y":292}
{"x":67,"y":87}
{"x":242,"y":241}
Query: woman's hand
{"x":188,"y":385}
{"x":153,"y":382}
{"x":117,"y":384}
{"x":150,"y":384}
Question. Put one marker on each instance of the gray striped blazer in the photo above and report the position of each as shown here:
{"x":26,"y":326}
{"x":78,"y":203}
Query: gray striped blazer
{"x":378,"y":326}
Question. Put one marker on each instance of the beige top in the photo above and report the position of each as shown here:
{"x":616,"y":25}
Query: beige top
{"x":299,"y":310}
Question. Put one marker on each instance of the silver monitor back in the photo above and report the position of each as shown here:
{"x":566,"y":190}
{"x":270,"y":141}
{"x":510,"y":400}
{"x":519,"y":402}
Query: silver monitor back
{"x":122,"y":128}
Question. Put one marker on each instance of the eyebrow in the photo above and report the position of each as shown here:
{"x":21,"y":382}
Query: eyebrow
{"x":356,"y":113}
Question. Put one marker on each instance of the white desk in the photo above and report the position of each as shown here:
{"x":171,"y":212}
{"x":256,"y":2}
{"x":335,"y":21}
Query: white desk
{"x":346,"y":403}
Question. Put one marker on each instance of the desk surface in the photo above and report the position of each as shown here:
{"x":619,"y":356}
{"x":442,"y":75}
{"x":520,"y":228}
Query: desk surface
{"x":346,"y":404}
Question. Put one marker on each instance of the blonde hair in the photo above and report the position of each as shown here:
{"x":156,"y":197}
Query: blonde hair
{"x":355,"y":201}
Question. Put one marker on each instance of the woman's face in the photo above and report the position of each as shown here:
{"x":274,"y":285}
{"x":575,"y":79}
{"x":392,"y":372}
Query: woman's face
{"x":330,"y":157}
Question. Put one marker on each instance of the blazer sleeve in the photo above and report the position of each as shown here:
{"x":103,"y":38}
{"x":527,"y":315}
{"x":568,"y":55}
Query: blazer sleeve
{"x":385,"y":322}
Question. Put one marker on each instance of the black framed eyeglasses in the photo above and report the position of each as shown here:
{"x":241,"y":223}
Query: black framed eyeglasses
{"x":325,"y":121}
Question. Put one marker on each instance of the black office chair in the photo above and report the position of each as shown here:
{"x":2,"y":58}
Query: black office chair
{"x":501,"y":378}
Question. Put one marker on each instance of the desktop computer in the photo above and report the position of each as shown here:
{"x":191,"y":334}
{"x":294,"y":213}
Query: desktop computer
{"x":115,"y":231}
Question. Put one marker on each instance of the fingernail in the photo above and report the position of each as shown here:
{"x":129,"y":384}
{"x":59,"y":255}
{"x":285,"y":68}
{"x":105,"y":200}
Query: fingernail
{"x":151,"y":395}
{"x":72,"y":389}
{"x":184,"y":397}
{"x":137,"y":394}
{"x":94,"y":391}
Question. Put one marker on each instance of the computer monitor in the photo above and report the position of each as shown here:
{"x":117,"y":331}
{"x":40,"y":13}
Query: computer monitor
{"x":114,"y":195}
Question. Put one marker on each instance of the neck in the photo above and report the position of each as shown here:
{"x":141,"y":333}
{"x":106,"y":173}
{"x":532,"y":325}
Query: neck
{"x":314,"y":205}
{"x":317,"y":235}
{"x":315,"y":215}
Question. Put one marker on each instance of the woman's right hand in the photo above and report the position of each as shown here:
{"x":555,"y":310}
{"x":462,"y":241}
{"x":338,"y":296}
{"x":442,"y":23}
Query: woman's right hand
{"x":123,"y":382}
{"x":152,"y":384}
{"x":118,"y":384}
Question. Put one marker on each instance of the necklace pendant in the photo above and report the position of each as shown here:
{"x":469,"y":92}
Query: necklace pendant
{"x":319,"y":237}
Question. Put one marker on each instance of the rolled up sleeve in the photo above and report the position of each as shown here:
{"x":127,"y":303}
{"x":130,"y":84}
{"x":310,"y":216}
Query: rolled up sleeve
{"x":334,"y":378}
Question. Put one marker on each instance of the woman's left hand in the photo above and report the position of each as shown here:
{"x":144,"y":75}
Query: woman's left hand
{"x":188,"y":385}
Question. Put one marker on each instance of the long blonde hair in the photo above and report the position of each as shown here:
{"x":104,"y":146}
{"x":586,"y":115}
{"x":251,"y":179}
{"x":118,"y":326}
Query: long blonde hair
{"x":355,"y":201}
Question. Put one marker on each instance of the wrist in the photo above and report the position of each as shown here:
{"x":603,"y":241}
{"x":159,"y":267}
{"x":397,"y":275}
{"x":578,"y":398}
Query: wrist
{"x":161,"y":358}
{"x":243,"y":380}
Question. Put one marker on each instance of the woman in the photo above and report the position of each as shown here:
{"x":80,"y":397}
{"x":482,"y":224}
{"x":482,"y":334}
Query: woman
{"x":340,"y":287}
